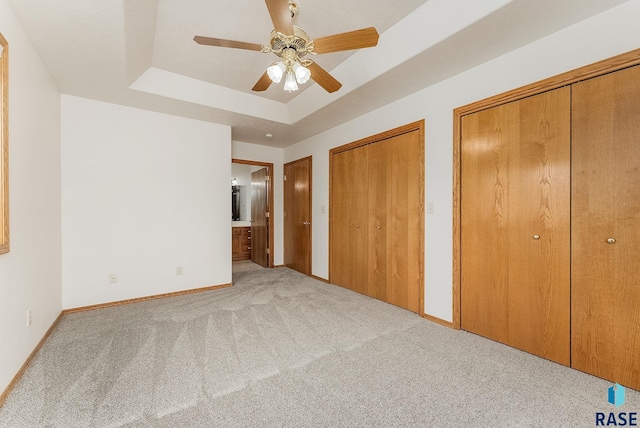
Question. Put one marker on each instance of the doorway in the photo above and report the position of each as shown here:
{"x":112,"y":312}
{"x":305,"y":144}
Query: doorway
{"x":297,"y":215}
{"x":252,"y":217}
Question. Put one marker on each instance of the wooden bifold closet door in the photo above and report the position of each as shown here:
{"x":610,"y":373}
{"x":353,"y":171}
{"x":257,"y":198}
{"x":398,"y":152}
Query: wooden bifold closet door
{"x":350,"y":219}
{"x":377,"y":217}
{"x":606,"y":227}
{"x":549,"y":218}
{"x":395,"y":203}
{"x":515,"y":224}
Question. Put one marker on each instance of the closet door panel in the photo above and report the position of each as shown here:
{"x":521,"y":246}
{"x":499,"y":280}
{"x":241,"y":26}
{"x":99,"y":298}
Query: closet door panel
{"x":380,"y":189}
{"x":349,"y":210}
{"x":359,"y":220}
{"x":339,"y":211}
{"x":404,"y":216}
{"x":484,"y":217}
{"x":606,"y":205}
{"x":538,"y":254}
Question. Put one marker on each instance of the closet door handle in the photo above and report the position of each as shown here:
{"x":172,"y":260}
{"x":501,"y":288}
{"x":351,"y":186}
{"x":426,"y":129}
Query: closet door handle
{"x":536,"y":237}
{"x":611,"y":241}
{"x":379,"y":227}
{"x":357,"y":226}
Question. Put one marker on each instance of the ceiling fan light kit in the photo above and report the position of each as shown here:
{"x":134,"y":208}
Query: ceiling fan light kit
{"x":292,"y":43}
{"x":290,"y":66}
{"x":290,"y":84}
{"x":276,"y":71}
{"x":302,"y":73}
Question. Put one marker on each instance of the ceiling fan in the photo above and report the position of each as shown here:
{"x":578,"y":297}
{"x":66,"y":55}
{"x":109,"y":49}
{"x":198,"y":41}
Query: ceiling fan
{"x":292,"y":44}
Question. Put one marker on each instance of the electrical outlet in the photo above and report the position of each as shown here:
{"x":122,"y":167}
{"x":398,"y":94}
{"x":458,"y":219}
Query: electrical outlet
{"x":178,"y":270}
{"x":113,"y":278}
{"x":29,"y":317}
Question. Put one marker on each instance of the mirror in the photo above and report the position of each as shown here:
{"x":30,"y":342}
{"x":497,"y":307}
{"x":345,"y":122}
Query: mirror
{"x":241,"y":192}
{"x":240,"y":203}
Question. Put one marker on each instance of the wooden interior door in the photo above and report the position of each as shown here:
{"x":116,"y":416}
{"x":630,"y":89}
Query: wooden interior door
{"x":259,"y":217}
{"x":484,"y":218}
{"x":297,"y":207}
{"x":538,"y":256}
{"x":349,"y":212}
{"x":395,"y":218}
{"x":606,"y":227}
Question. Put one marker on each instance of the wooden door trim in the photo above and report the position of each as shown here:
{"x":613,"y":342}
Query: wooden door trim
{"x":250,"y":162}
{"x":4,"y":145}
{"x":599,"y":68}
{"x":310,"y":158}
{"x":405,"y":129}
{"x":299,"y":160}
{"x":270,"y":201}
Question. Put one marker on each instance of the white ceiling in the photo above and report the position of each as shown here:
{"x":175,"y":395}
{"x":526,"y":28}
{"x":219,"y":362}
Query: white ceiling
{"x":141,"y":53}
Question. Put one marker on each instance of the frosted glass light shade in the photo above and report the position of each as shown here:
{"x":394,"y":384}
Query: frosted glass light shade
{"x":290,"y":83}
{"x":302,"y":73}
{"x":276,"y":71}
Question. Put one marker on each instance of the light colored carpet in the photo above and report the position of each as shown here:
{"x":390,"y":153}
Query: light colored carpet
{"x":282,"y":349}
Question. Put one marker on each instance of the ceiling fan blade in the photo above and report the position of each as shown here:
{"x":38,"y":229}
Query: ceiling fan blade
{"x":281,"y":16}
{"x":227,"y":43}
{"x":262,"y":84}
{"x":323,"y":78}
{"x":364,"y":38}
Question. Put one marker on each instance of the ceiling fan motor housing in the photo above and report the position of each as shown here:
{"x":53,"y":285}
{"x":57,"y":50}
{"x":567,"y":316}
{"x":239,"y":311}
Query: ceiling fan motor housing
{"x":299,"y":41}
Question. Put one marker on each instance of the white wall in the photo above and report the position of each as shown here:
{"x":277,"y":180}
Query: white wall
{"x":610,"y":33}
{"x":30,"y":273}
{"x":142,"y":193}
{"x":255,"y":152}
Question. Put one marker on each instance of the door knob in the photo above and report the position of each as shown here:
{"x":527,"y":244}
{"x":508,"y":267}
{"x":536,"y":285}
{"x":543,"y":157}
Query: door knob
{"x":357,"y":226}
{"x":611,"y":241}
{"x":536,"y":237}
{"x":379,"y":227}
{"x":306,"y":223}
